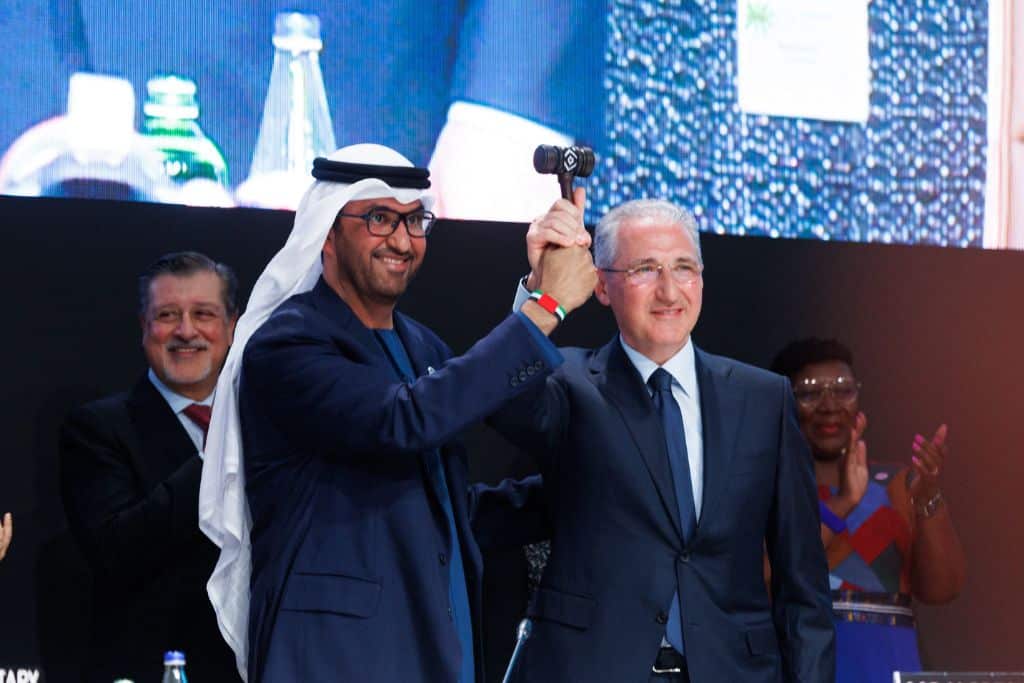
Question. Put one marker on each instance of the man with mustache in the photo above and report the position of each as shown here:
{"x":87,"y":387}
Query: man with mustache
{"x":130,"y":471}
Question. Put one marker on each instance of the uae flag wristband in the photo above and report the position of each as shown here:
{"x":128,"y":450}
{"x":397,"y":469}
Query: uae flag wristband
{"x":548,"y":304}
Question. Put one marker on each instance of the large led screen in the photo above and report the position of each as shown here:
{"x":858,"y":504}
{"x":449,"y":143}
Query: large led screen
{"x":227,"y":102}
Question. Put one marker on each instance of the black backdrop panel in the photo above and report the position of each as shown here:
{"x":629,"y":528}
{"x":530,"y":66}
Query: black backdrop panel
{"x":937,"y":337}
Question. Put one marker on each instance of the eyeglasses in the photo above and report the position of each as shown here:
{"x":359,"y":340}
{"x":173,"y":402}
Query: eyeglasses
{"x":683,"y":272}
{"x":810,"y":392}
{"x":383,"y":222}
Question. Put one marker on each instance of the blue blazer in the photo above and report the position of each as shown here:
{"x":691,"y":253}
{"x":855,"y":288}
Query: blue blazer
{"x":349,"y":541}
{"x":617,"y":554}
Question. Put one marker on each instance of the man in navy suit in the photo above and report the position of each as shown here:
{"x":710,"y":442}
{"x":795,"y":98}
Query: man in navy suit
{"x":668,"y":472}
{"x":364,"y":566}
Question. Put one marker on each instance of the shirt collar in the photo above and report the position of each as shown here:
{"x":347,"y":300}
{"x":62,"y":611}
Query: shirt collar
{"x":682,"y":366}
{"x":176,"y":401}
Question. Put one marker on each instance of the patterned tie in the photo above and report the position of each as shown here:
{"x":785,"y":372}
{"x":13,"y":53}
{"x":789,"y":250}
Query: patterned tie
{"x":199,"y":414}
{"x":675,"y":439}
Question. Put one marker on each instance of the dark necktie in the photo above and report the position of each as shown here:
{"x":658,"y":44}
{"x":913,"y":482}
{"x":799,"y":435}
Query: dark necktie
{"x":199,"y":414}
{"x":675,"y":439}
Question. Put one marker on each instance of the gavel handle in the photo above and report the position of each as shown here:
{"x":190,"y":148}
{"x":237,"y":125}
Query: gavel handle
{"x":565,"y":182}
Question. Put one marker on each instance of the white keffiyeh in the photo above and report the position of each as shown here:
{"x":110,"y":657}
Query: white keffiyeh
{"x":223,"y":510}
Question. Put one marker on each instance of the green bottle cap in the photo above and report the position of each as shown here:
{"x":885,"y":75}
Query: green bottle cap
{"x":171,"y":97}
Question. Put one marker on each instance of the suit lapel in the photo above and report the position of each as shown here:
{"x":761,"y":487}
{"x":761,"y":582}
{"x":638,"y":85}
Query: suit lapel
{"x":421,"y":354}
{"x":334,"y":309}
{"x":164,"y":445}
{"x":327,"y":301}
{"x":721,"y":409}
{"x":424,"y":359}
{"x":623,"y":387}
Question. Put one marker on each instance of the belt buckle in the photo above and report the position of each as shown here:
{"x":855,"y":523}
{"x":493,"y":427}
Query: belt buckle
{"x":673,"y":670}
{"x":667,"y":670}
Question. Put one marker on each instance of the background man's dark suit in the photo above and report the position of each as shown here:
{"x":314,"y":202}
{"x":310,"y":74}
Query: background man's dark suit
{"x":349,"y":541}
{"x":617,"y":551}
{"x":130,"y":482}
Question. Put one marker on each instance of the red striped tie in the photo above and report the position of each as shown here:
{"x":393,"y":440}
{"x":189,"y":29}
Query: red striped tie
{"x":199,"y":414}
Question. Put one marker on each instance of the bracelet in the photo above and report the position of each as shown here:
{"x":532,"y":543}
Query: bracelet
{"x":834,"y":522}
{"x":548,"y":304}
{"x":929,"y":507}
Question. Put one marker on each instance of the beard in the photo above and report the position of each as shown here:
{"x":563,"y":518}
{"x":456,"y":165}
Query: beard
{"x":193,"y":373}
{"x":372,"y":280}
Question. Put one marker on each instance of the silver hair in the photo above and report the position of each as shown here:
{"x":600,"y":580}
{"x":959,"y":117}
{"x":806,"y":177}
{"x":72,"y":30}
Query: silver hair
{"x":606,"y":234}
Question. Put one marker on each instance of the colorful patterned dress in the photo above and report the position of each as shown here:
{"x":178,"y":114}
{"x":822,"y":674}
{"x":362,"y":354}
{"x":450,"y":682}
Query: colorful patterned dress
{"x":869,"y":573}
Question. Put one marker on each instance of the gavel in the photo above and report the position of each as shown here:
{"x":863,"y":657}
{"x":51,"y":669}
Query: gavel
{"x":565,"y":162}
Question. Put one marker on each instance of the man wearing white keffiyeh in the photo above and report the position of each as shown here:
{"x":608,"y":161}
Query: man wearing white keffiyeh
{"x":361,"y":564}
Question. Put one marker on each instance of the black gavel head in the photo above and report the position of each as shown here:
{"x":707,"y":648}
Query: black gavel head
{"x":574,"y":161}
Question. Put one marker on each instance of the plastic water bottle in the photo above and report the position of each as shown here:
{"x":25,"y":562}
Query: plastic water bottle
{"x":296,"y":125}
{"x":92,"y":151}
{"x":171,"y":114}
{"x":174,"y":667}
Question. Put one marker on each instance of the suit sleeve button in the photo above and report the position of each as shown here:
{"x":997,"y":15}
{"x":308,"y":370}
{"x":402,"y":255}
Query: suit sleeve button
{"x":531,"y":370}
{"x":661,"y":618}
{"x":442,"y":558}
{"x":514,"y":381}
{"x":522,"y":375}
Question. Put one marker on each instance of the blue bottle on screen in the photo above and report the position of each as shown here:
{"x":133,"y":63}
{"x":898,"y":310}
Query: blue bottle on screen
{"x":174,"y":667}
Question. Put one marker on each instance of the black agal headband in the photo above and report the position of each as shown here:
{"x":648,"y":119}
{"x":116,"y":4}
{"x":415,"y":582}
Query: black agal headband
{"x":395,"y":176}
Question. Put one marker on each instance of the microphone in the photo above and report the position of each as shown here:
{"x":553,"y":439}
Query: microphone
{"x":522,"y":633}
{"x":565,"y":162}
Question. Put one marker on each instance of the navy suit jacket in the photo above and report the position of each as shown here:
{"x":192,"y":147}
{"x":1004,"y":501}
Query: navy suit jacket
{"x":130,"y":483}
{"x":617,"y":555}
{"x":349,"y":541}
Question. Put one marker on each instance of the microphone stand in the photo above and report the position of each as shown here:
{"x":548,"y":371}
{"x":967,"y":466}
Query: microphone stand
{"x":522,"y":633}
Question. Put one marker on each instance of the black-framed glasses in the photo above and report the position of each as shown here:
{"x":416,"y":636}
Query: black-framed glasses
{"x":383,"y":222}
{"x":810,"y":392}
{"x":683,"y":272}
